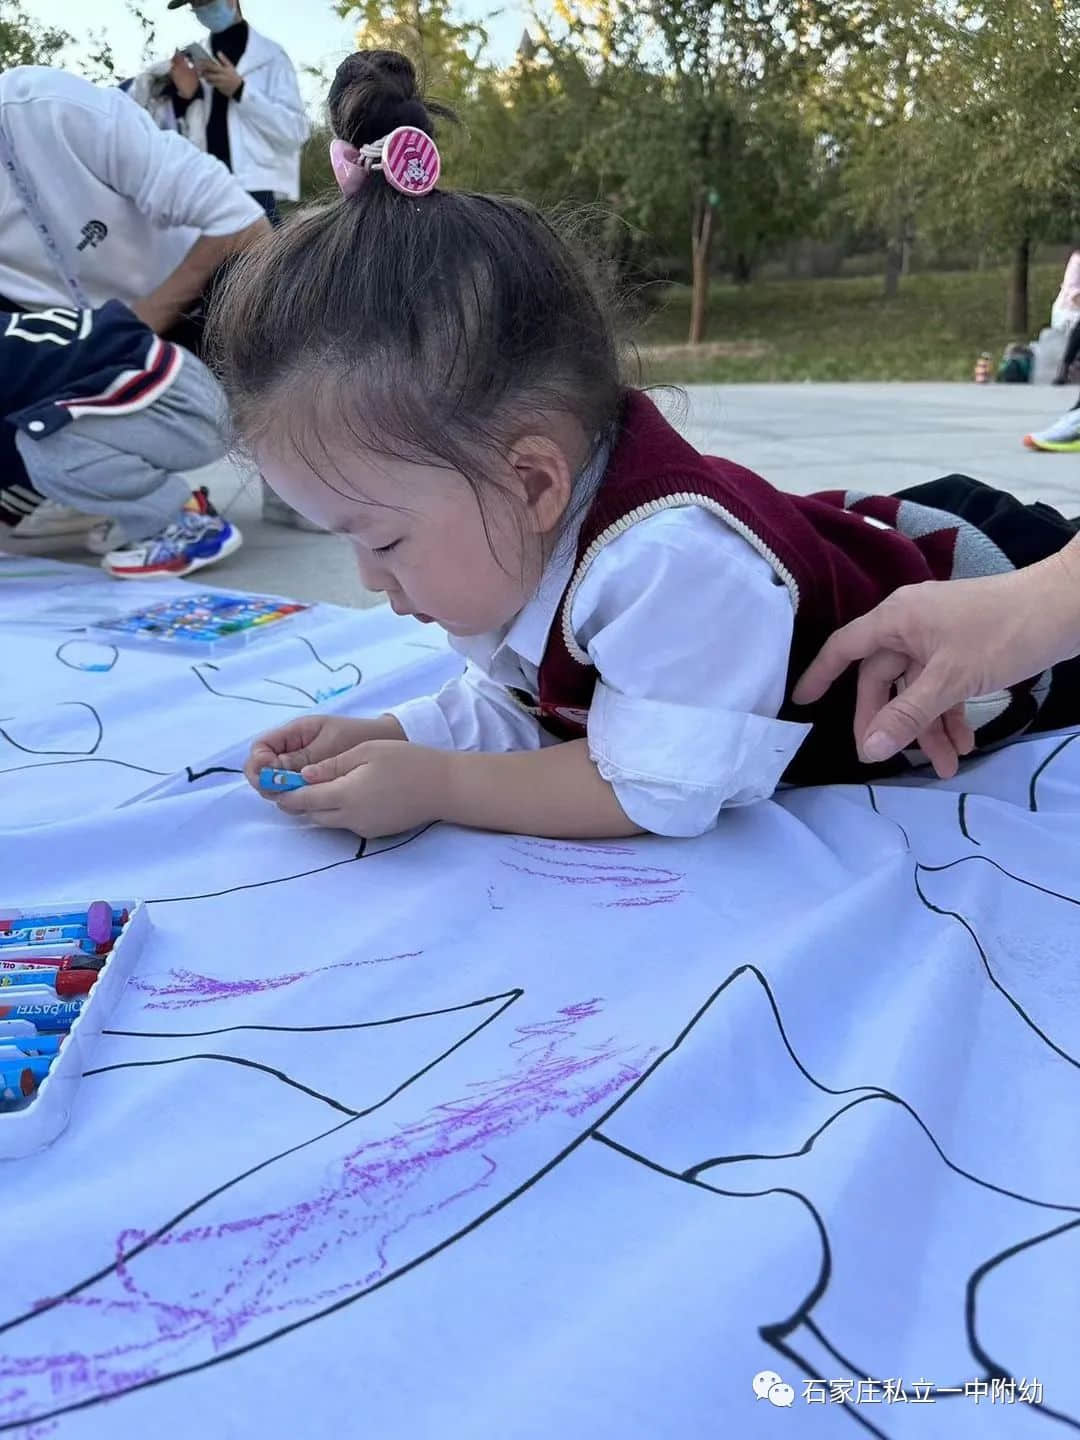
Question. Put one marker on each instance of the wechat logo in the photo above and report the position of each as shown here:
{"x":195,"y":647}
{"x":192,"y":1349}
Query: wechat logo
{"x":768,"y":1386}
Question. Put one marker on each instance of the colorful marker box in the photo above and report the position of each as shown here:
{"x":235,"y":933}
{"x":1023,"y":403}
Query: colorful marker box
{"x":270,"y":779}
{"x":206,"y":624}
{"x":52,"y":1016}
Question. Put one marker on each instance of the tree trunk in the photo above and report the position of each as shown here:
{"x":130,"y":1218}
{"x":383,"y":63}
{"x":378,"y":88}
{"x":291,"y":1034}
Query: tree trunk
{"x":894,"y":262}
{"x":742,"y":269}
{"x":701,"y":241}
{"x":1016,"y":320}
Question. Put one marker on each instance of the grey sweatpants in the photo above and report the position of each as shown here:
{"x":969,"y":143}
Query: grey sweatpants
{"x":130,"y":468}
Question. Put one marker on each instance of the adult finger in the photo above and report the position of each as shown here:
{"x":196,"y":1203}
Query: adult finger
{"x":939,"y":749}
{"x":907,"y":716}
{"x":959,"y":731}
{"x":854,"y":641}
{"x":878,"y":676}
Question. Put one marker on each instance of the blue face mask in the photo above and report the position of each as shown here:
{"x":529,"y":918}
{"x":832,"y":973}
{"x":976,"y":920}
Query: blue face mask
{"x":218,"y":15}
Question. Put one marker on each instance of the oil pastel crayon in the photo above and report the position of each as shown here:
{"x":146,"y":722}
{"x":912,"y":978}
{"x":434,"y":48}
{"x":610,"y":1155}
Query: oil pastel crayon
{"x":100,"y":919}
{"x":64,"y":983}
{"x":48,"y":1016}
{"x":271,"y":779}
{"x":20,"y":1078}
{"x":14,"y":957}
{"x":30,"y":1045}
{"x":73,"y":960}
{"x":30,"y":995}
{"x":22,"y":1028}
{"x":54,"y":935}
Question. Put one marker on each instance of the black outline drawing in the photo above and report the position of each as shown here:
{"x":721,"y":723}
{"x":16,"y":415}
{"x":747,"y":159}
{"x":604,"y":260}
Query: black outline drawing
{"x":81,"y":754}
{"x":282,"y":684}
{"x":775,"y":1333}
{"x":194,"y":775}
{"x":84,"y":669}
{"x":509,"y":999}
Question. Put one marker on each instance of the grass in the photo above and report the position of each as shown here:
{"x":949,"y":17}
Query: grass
{"x":840,"y":329}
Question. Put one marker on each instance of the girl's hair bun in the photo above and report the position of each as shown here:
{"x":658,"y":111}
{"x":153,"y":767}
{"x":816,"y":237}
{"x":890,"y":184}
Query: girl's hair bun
{"x":375,"y":91}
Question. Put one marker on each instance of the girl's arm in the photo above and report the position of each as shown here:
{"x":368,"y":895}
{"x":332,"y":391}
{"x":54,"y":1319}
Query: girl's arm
{"x":690,"y":633}
{"x":556,"y":792}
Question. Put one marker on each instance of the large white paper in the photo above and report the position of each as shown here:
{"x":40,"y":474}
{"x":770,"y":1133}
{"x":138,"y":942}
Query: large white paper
{"x":458,"y":1134}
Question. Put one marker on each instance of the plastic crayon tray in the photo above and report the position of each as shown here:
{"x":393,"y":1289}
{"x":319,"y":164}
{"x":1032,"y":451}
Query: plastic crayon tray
{"x":209,"y":623}
{"x":44,"y":1114}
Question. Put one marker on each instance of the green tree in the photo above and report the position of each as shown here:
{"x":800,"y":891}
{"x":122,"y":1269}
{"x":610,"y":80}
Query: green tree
{"x":876,"y":106}
{"x":25,"y":41}
{"x":716,"y":115}
{"x":1005,"y":168}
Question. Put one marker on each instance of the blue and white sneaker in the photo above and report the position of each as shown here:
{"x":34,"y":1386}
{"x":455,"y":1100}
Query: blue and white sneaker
{"x":199,"y":537}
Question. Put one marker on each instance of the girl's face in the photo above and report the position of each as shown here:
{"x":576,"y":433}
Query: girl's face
{"x":421,"y":538}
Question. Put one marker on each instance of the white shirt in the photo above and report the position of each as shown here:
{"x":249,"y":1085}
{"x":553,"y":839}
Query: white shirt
{"x":93,"y":155}
{"x":690,"y":632}
{"x":268,"y":124}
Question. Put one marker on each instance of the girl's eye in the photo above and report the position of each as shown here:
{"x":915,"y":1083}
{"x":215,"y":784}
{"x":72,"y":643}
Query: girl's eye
{"x":385,"y":549}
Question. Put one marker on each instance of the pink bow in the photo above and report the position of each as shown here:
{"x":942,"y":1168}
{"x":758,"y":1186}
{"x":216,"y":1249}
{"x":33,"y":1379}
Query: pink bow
{"x":349,"y":169}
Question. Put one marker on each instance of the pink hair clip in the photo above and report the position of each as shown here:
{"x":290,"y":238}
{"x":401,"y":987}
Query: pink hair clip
{"x":408,"y":159}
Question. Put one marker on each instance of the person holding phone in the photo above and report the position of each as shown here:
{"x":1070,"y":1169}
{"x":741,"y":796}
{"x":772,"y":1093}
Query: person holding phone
{"x":250,"y":115}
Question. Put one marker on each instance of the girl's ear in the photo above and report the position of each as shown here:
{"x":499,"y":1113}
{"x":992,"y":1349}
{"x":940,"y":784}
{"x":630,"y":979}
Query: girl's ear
{"x":546,"y":479}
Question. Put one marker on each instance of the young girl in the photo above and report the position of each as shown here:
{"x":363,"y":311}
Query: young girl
{"x":432,"y":374}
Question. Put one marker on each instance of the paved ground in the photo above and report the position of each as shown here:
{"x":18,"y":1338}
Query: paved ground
{"x":800,"y":437}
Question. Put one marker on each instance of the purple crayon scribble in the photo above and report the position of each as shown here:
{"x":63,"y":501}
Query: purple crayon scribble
{"x":188,"y":989}
{"x":651,"y":884}
{"x":386,"y":1200}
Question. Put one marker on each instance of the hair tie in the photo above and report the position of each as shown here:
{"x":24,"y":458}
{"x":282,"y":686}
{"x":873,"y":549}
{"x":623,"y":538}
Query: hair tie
{"x":408,"y":158}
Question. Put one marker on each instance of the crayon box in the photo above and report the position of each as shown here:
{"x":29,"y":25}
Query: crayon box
{"x":203,"y":623}
{"x":46,"y":1114}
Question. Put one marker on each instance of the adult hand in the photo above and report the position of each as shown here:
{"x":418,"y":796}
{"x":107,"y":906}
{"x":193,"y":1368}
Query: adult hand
{"x":310,"y":739}
{"x":222,"y":75}
{"x":380,"y":787}
{"x":943,"y":642}
{"x":184,"y":76}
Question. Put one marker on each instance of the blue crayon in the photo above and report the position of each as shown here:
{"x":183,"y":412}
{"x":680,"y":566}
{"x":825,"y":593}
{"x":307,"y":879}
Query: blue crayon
{"x":20,"y":1078}
{"x":271,"y":779}
{"x":24,"y":1029}
{"x":40,"y":975}
{"x":30,"y":1045}
{"x":50,"y":936}
{"x":20,"y":920}
{"x":47,"y":1017}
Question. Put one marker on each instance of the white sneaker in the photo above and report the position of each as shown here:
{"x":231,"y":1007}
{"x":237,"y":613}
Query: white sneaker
{"x":48,"y":526}
{"x":1062,"y":437}
{"x":105,"y":536}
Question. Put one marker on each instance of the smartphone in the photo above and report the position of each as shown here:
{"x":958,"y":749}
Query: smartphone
{"x":197,"y":54}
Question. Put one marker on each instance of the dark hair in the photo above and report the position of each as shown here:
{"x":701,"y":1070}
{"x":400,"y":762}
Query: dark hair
{"x":432,"y":327}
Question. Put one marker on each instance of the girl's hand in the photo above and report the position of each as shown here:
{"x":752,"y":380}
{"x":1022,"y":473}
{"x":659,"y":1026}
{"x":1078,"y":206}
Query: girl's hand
{"x":311,"y":738}
{"x":380,"y":787}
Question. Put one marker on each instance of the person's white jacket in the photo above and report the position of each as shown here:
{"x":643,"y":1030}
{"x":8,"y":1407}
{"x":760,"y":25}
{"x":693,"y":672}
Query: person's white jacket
{"x":122,"y":199}
{"x":268,"y":124}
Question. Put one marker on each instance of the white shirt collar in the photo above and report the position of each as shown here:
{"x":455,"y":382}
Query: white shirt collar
{"x":527,"y":633}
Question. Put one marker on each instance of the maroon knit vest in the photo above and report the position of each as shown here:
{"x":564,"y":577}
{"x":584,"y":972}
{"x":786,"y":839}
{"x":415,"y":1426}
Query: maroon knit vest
{"x":835,"y":563}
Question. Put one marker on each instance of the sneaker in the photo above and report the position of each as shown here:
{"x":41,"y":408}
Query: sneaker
{"x":276,"y":512}
{"x":43,"y":525}
{"x":1063,"y":437}
{"x":105,"y":537}
{"x":199,"y":537}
